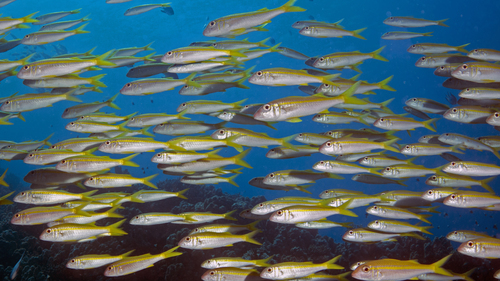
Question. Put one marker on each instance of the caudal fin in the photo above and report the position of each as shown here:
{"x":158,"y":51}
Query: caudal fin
{"x":170,"y":253}
{"x":147,"y":181}
{"x":289,"y":8}
{"x":331,"y":263}
{"x":356,"y":32}
{"x":114,"y":229}
{"x":376,"y":54}
{"x":180,"y":193}
{"x":249,"y":237}
{"x":437,"y":266}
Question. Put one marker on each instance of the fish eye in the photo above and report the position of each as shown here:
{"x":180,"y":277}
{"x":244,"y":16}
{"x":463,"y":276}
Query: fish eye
{"x":322,"y":162}
{"x":422,"y":59}
{"x":271,"y":175}
{"x":137,"y":217}
{"x":224,"y":113}
{"x":464,"y":66}
{"x":17,"y":215}
{"x":66,"y":110}
{"x":214,"y":44}
{"x":453,"y":163}
{"x":453,"y":196}
{"x":476,"y":50}
{"x":128,"y":85}
{"x":110,"y":268}
{"x":185,"y":86}
{"x":267,"y":107}
{"x":132,"y":119}
{"x":26,"y":67}
{"x":351,"y":232}
{"x":413,"y":46}
{"x":7,"y":102}
{"x":212,"y":23}
{"x":366,"y":269}
{"x":261,"y":205}
{"x":159,"y":154}
{"x":414,"y":99}
{"x":31,"y":155}
{"x":434,"y":178}
{"x":467,"y":90}
{"x":169,"y":53}
{"x":72,"y":123}
{"x":72,"y":261}
{"x":497,"y":114}
{"x":187,"y":238}
{"x":279,"y":212}
{"x":376,"y":222}
{"x":391,"y":18}
{"x":108,"y":142}
{"x":454,"y":110}
{"x":455,"y":232}
{"x":470,"y":244}
{"x":183,"y":104}
{"x":442,"y":67}
{"x":328,"y":144}
{"x":22,"y":193}
{"x":64,"y":161}
{"x":221,"y":132}
{"x":300,"y":135}
{"x":269,"y":270}
{"x":196,"y":229}
{"x":306,"y":28}
{"x":91,"y":179}
{"x":212,"y":273}
{"x":321,"y":59}
{"x":429,"y":192}
{"x":375,"y":207}
{"x":48,"y":230}
{"x":407,"y":147}
{"x":387,"y":169}
{"x":259,"y":73}
{"x":382,"y":119}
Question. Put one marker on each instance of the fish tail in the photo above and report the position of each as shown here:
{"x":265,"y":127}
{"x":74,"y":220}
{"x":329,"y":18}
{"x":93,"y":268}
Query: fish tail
{"x":361,"y":119}
{"x":69,"y":96}
{"x":269,"y":124}
{"x":343,"y":209}
{"x":286,"y":142}
{"x":213,"y":153}
{"x":428,"y":124}
{"x":263,"y":262}
{"x":494,"y":151}
{"x":456,"y":148}
{"x":46,"y":140}
{"x":5,"y":120}
{"x":400,"y":182}
{"x":134,"y":197}
{"x":111,"y":100}
{"x":427,"y":33}
{"x":231,"y":180}
{"x":238,"y":159}
{"x":410,"y":161}
{"x":374,"y":171}
{"x":484,"y":184}
{"x":383,"y":106}
{"x":181,"y":115}
{"x":376,"y":54}
{"x":289,"y":8}
{"x":413,"y":234}
{"x":239,"y":83}
{"x":251,"y":226}
{"x":80,"y":30}
{"x":189,"y":81}
{"x":263,"y":42}
{"x":148,"y":47}
{"x":127,"y":254}
{"x":237,"y":53}
{"x":180,"y":193}
{"x":148,"y":57}
{"x":25,"y":60}
{"x":170,"y":253}
{"x":89,"y":52}
{"x":327,"y":79}
{"x":96,"y":89}
{"x":383,"y":84}
{"x":238,"y":104}
{"x":247,"y":73}
{"x":102,"y":59}
{"x":127,"y":160}
{"x":29,"y":19}
{"x":441,"y":23}
{"x":331,"y":263}
{"x":227,"y":215}
{"x":346,"y":224}
{"x":111,"y":212}
{"x":356,"y":32}
{"x":424,"y":218}
{"x":86,"y":195}
{"x":334,"y":176}
{"x":79,"y":210}
{"x":147,"y":181}
{"x":95,"y":80}
{"x":127,"y":117}
{"x":2,"y":178}
{"x":424,"y":229}
{"x":461,"y":48}
{"x":75,"y":11}
{"x":433,"y":210}
{"x":115,"y":230}
{"x":274,"y":49}
{"x":342,"y":276}
{"x":230,"y":142}
{"x":436,"y":267}
{"x":303,"y":188}
{"x":348,"y":97}
{"x":146,"y":133}
{"x":388,"y":145}
{"x":466,"y":275}
{"x":249,"y":237}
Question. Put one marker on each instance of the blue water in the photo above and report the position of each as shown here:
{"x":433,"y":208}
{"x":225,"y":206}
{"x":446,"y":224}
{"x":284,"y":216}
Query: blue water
{"x":477,"y":24}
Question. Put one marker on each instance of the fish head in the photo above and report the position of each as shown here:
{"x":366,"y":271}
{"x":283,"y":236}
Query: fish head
{"x":33,"y":158}
{"x":265,"y":77}
{"x":30,"y":39}
{"x":131,"y":88}
{"x":216,"y":28}
{"x":161,"y":157}
{"x":75,"y":264}
{"x":297,"y":24}
{"x":139,"y":220}
{"x":374,"y":210}
{"x":221,"y":134}
{"x":415,"y":103}
{"x":366,"y":161}
{"x":352,"y":235}
{"x":73,"y":126}
{"x":51,"y":234}
{"x":493,"y":119}
{"x":368,"y":272}
{"x":302,"y":137}
{"x":320,"y":117}
{"x":431,"y":194}
{"x":330,"y":147}
{"x":212,"y":275}
{"x":113,"y":270}
{"x":272,"y":272}
{"x":424,"y":62}
{"x":337,"y":202}
{"x":448,"y":138}
{"x":455,"y":200}
{"x":464,"y":71}
{"x":187,"y":90}
{"x":93,"y":181}
{"x":20,"y":219}
{"x":323,"y":62}
{"x":322,"y":166}
{"x":256,"y":182}
{"x":454,"y":114}
{"x":327,"y":88}
{"x":69,"y":113}
{"x":226,"y":115}
{"x":478,"y":54}
{"x":383,"y":123}
{"x":443,"y":70}
{"x":357,"y":264}
{"x":23,"y":197}
{"x":308,"y":31}
{"x":263,"y":208}
{"x":65,"y":165}
{"x":327,"y":194}
{"x":456,"y":236}
{"x":393,"y":21}
{"x":471,"y":248}
{"x":190,"y":242}
{"x":377,"y":225}
{"x":10,"y":106}
{"x":210,"y":264}
{"x":281,"y":216}
{"x":110,"y":146}
{"x":274,"y":178}
{"x":469,"y":93}
{"x":455,"y":168}
{"x":135,"y":122}
{"x":409,"y":150}
{"x":415,"y":49}
{"x":184,"y":106}
{"x":275,"y":153}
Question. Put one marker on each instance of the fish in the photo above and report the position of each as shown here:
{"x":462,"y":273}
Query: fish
{"x":137,"y":10}
{"x":63,"y":24}
{"x":327,"y":31}
{"x":124,"y":145}
{"x":159,"y":218}
{"x":176,"y":157}
{"x":209,"y":180}
{"x":207,"y":106}
{"x":133,"y":264}
{"x":467,"y":142}
{"x":397,"y":123}
{"x":395,"y":213}
{"x":211,"y":240}
{"x":427,"y":105}
{"x":433,"y":48}
{"x":3,"y":199}
{"x":403,"y":35}
{"x":438,"y":194}
{"x":30,"y":102}
{"x":375,"y":179}
{"x":181,"y":128}
{"x":94,"y":261}
{"x":480,"y":72}
{"x":297,"y":214}
{"x":280,"y":76}
{"x":239,"y":118}
{"x":249,"y":138}
{"x":77,"y":144}
{"x":303,"y":23}
{"x":46,"y":37}
{"x":85,"y":164}
{"x":237,"y":24}
{"x":186,"y":143}
{"x":452,"y":180}
{"x":157,"y":195}
{"x":484,"y":54}
{"x":259,"y":182}
{"x":393,"y":269}
{"x":221,"y":262}
{"x":412,"y":22}
{"x":339,"y":167}
{"x":362,"y":235}
{"x":232,"y":228}
{"x":393,"y":226}
{"x":456,"y":276}
{"x":322,"y":224}
{"x":49,"y":197}
{"x":15,"y":269}
{"x":118,"y":180}
{"x":282,"y":152}
{"x":230,"y":273}
{"x":469,"y":114}
{"x":462,"y":236}
{"x":87,"y":108}
{"x":354,"y":145}
{"x":287,"y":52}
{"x":376,"y":160}
{"x":41,"y":215}
{"x":488,"y":248}
{"x":48,"y":18}
{"x":425,"y":149}
{"x":152,"y":119}
{"x":192,"y":54}
{"x":471,"y":199}
{"x":470,"y":168}
{"x":337,"y":60}
{"x":296,"y":177}
{"x":446,"y":70}
{"x":288,"y":270}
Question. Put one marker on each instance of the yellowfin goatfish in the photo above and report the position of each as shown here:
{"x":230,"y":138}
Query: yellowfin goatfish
{"x":159,"y":218}
{"x":230,"y":273}
{"x":192,"y":54}
{"x":395,"y":213}
{"x":238,"y":23}
{"x":156,"y":85}
{"x":288,"y":270}
{"x":392,"y":269}
{"x":427,"y":105}
{"x":86,"y":108}
{"x":423,"y":149}
{"x":469,"y":168}
{"x":83,"y":164}
{"x":7,"y":22}
{"x":80,"y":232}
{"x":287,"y":153}
{"x":6,"y":64}
{"x":469,"y":114}
{"x":200,"y":143}
{"x":232,"y":228}
{"x":151,"y":119}
{"x":433,"y":48}
{"x":48,"y":18}
{"x":48,"y":197}
{"x":29,"y":102}
{"x":398,"y":123}
{"x":291,"y":108}
{"x":58,"y":67}
{"x":62,"y":25}
{"x":337,"y":60}
{"x":467,"y":142}
{"x":296,"y":214}
{"x":40,"y":215}
{"x":190,"y":127}
{"x":207,"y":106}
{"x":130,"y":265}
{"x":233,"y":262}
{"x":480,"y":72}
{"x":488,"y":248}
{"x":397,"y":226}
{"x":354,"y":145}
{"x":49,"y":156}
{"x":325,"y":31}
{"x":403,"y":35}
{"x":249,"y":138}
{"x":465,"y":235}
{"x":340,"y":167}
{"x":211,"y":240}
{"x":292,"y":177}
{"x":363,"y":235}
{"x":46,"y":37}
{"x":485,"y":54}
{"x":94,"y":127}
{"x":176,"y":157}
{"x":132,"y":145}
{"x":450,"y":180}
{"x":117,"y":180}
{"x":471,"y":199}
{"x":4,"y":200}
{"x":412,"y":22}
{"x":77,"y":144}
{"x":156,"y":195}
{"x":137,"y":10}
{"x":239,"y":118}
{"x":94,"y":261}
